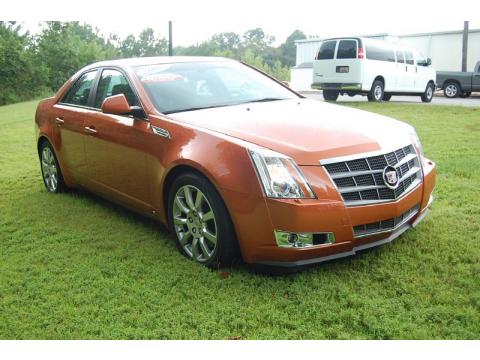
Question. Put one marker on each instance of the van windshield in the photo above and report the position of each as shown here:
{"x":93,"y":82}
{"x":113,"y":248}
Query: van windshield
{"x":199,"y":85}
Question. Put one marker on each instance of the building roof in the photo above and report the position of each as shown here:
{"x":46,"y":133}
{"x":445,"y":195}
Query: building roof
{"x":452,"y":32}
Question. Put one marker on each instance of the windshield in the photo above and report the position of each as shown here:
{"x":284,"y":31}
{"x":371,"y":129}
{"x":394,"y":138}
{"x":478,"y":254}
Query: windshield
{"x":198,"y":85}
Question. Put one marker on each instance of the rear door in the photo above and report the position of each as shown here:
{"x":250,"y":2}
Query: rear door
{"x":324,"y":64}
{"x":74,"y":108}
{"x":347,"y":68}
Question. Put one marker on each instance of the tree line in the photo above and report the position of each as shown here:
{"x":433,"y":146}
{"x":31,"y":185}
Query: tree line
{"x":33,"y":65}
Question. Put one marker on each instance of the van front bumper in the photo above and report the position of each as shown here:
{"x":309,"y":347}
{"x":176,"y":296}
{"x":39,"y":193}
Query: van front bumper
{"x":337,"y":86}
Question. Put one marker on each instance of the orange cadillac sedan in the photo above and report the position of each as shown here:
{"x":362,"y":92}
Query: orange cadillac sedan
{"x":232,"y":161}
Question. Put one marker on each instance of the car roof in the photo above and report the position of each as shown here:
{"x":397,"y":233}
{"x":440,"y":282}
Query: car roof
{"x":155,"y":60}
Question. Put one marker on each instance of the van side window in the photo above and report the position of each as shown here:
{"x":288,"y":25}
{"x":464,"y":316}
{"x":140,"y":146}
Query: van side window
{"x":409,"y":57}
{"x":375,"y":52}
{"x":400,"y":57}
{"x":327,"y":50}
{"x":347,"y":49}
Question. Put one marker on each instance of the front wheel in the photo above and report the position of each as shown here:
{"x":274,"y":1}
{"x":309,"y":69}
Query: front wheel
{"x":376,"y":94}
{"x":51,"y":173}
{"x":427,"y":96}
{"x":451,"y":90}
{"x":200,"y":222}
{"x":330,"y":95}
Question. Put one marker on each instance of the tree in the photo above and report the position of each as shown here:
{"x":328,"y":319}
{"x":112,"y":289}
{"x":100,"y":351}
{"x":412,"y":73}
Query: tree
{"x":147,"y":44}
{"x":288,"y":49}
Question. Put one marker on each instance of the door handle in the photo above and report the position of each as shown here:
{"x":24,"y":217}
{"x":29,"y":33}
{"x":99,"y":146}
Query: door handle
{"x":90,"y":130}
{"x":59,"y":121}
{"x":406,"y":68}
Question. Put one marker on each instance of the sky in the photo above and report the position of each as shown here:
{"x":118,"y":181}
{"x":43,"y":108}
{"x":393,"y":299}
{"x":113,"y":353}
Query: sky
{"x":196,"y":21}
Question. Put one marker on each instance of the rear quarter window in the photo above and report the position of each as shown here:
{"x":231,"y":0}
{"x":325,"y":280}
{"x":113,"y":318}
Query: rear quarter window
{"x":327,"y":50}
{"x":375,"y":52}
{"x":347,"y":49}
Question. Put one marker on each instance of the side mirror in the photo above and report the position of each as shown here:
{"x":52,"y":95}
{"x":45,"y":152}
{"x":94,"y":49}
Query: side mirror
{"x":429,"y":62}
{"x":116,"y":105}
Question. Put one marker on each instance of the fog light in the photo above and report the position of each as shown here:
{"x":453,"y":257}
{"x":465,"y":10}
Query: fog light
{"x":300,"y":240}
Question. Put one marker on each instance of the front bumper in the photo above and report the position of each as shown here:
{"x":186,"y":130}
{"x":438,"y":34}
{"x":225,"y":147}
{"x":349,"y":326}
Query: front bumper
{"x":328,"y":214}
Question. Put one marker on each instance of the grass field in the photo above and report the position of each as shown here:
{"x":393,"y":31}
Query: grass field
{"x":75,"y":266}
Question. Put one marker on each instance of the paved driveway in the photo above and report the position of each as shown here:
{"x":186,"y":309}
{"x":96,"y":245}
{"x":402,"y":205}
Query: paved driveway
{"x":437,"y":100}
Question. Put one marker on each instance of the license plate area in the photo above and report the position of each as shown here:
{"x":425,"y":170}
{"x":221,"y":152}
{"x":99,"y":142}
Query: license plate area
{"x":343,"y":69}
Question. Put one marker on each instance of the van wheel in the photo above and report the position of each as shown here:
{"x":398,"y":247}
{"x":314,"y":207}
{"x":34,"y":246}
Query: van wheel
{"x":200,"y":222}
{"x":387,"y":97}
{"x":466,"y":94}
{"x":376,"y":93}
{"x":451,"y":90}
{"x":427,"y":96}
{"x":330,"y":95}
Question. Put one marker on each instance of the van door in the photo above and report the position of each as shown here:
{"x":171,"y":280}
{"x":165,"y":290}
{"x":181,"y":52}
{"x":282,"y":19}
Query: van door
{"x":422,"y":72}
{"x":401,"y":71}
{"x":411,"y":72}
{"x":324,"y":64}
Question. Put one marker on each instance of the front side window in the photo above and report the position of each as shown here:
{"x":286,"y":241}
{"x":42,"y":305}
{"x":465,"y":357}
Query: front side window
{"x":113,"y":82}
{"x":409,"y":57}
{"x":347,"y":49}
{"x":191,"y":86}
{"x":80,"y":91}
{"x":327,"y":50}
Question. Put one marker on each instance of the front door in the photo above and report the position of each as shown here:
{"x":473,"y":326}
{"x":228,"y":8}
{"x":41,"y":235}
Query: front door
{"x":115,"y":147}
{"x":411,"y":73}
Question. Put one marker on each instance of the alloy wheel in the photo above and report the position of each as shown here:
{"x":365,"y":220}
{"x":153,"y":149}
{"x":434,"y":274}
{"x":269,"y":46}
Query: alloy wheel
{"x":49,"y":169}
{"x":429,"y":92}
{"x":451,"y":90}
{"x":194,"y":222}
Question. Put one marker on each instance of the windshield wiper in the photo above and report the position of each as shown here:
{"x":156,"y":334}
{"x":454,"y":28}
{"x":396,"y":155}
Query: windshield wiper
{"x":267,"y":99}
{"x":194,"y":108}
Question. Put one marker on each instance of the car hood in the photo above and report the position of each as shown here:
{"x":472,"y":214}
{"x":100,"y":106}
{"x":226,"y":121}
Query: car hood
{"x":306,"y":130}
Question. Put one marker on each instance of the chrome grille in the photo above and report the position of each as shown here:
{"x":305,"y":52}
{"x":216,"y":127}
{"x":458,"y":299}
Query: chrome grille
{"x":360,"y":180}
{"x":384,"y":225}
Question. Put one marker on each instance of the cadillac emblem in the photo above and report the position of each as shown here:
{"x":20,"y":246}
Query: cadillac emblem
{"x":390,"y":177}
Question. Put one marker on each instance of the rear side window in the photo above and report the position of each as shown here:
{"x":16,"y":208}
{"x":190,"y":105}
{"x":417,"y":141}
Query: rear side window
{"x":347,"y":49}
{"x":375,"y":52}
{"x":113,"y":82}
{"x":327,"y":50}
{"x":80,"y":91}
{"x":400,"y":57}
{"x":409,"y":57}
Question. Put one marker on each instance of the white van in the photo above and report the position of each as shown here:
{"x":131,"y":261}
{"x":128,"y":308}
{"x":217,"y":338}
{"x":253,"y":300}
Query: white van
{"x":376,"y":68}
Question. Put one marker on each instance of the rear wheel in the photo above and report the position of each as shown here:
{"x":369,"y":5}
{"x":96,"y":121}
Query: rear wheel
{"x":376,"y":93}
{"x":330,"y":95}
{"x":200,"y":222}
{"x":51,"y":173}
{"x":427,"y":96}
{"x":451,"y":90}
{"x":466,"y":94}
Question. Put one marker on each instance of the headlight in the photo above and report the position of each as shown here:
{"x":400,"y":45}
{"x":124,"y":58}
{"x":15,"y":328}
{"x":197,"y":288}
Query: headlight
{"x":279,"y":175}
{"x":416,"y":142}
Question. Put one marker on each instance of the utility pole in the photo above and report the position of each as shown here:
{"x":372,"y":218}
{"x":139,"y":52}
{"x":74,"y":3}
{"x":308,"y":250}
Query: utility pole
{"x":465,"y":46}
{"x":170,"y":45}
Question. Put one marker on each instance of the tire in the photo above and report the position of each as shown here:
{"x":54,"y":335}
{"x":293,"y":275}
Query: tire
{"x":451,"y":89}
{"x":51,"y":172}
{"x":427,"y":96}
{"x":202,"y":227}
{"x":466,"y":94}
{"x":387,"y":97}
{"x":330,"y":95}
{"x":376,"y":93}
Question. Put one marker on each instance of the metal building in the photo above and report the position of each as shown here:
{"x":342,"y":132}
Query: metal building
{"x":444,"y":48}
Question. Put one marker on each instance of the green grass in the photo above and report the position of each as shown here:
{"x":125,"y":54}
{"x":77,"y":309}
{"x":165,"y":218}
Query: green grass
{"x":75,"y":266}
